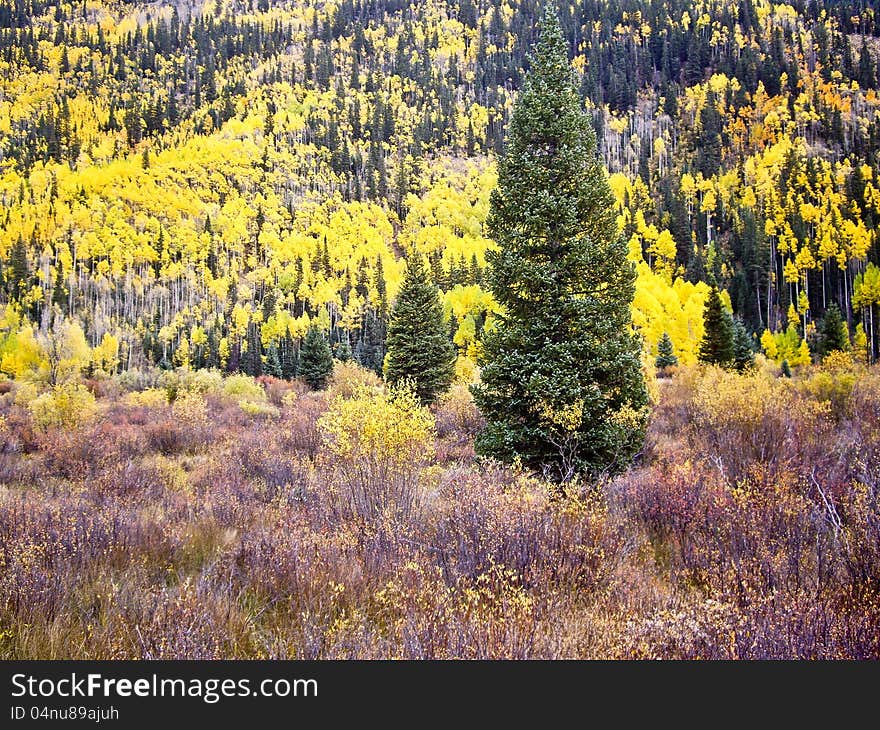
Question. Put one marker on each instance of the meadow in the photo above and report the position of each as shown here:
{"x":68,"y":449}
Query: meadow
{"x":171,"y":515}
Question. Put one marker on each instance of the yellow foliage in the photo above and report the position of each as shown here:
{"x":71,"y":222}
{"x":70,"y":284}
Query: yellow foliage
{"x":349,"y":378}
{"x":67,"y":405}
{"x":149,"y":398}
{"x":380,"y":440}
{"x":106,"y":355}
{"x":189,"y":409}
{"x":675,"y":308}
{"x":258,"y":409}
{"x":243,"y":387}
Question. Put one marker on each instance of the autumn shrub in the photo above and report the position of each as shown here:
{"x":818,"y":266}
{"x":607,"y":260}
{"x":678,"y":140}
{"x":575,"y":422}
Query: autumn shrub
{"x":525,"y":527}
{"x":103,"y":387}
{"x":833,"y":383}
{"x":149,"y":398}
{"x":299,"y":422}
{"x":457,"y":415}
{"x":378,"y":444}
{"x":204,"y":381}
{"x":67,"y":405}
{"x":243,"y":388}
{"x":257,"y":409}
{"x":747,"y":422}
{"x":134,"y":379}
{"x":24,"y":392}
{"x":277,"y":389}
{"x":164,"y":436}
{"x":668,"y":497}
{"x":18,"y":433}
{"x":330,"y":531}
{"x":491,"y":616}
{"x":348,"y":378}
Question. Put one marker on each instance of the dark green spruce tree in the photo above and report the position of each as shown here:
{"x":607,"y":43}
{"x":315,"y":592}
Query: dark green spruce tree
{"x":665,"y":353}
{"x":716,"y":347}
{"x":315,"y":359}
{"x":562,"y":388}
{"x":833,"y":334}
{"x":743,"y":352}
{"x":419,"y":348}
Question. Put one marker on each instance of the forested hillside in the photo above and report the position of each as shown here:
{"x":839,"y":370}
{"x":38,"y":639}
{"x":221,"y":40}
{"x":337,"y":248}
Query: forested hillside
{"x":194,"y":184}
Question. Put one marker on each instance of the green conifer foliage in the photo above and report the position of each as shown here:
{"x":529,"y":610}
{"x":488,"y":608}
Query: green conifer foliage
{"x":716,"y":346}
{"x":833,"y":334}
{"x":665,"y":353}
{"x":743,"y":352}
{"x":419,"y":348}
{"x":562,"y":386}
{"x":315,"y":359}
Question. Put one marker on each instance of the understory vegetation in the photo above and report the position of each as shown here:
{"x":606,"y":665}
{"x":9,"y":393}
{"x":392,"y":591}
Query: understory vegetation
{"x":188,"y":515}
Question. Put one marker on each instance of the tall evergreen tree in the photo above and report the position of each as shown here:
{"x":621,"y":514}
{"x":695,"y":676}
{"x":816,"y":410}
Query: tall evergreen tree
{"x":252,"y":358}
{"x":315,"y":359}
{"x":273,"y":362}
{"x":370,"y":349}
{"x":716,"y":347}
{"x":419,"y":348}
{"x":562,"y":385}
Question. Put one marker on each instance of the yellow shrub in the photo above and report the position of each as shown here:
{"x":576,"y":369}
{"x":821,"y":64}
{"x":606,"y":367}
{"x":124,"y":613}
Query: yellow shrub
{"x":243,"y":387}
{"x":24,"y":392}
{"x":466,"y":370}
{"x":349,"y":377}
{"x":198,"y":381}
{"x":67,"y":406}
{"x":289,"y":399}
{"x":833,"y":383}
{"x":149,"y":398}
{"x":255,"y":409}
{"x":742,"y":420}
{"x":380,"y":441}
{"x":189,"y":409}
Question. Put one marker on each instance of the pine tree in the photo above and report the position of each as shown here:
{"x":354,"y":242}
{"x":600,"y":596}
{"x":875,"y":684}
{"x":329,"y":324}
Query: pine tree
{"x":59,"y":290}
{"x":315,"y":359}
{"x":343,"y":350}
{"x":19,"y":271}
{"x":665,"y":353}
{"x":833,"y":334}
{"x":743,"y":352}
{"x":273,"y":362}
{"x":562,"y":385}
{"x":716,"y":346}
{"x":419,"y":348}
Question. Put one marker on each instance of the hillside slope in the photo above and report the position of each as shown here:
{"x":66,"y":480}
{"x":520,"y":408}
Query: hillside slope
{"x":192,"y":180}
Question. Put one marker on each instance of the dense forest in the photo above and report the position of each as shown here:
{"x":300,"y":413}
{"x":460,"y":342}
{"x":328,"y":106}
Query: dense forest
{"x":194,"y":184}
